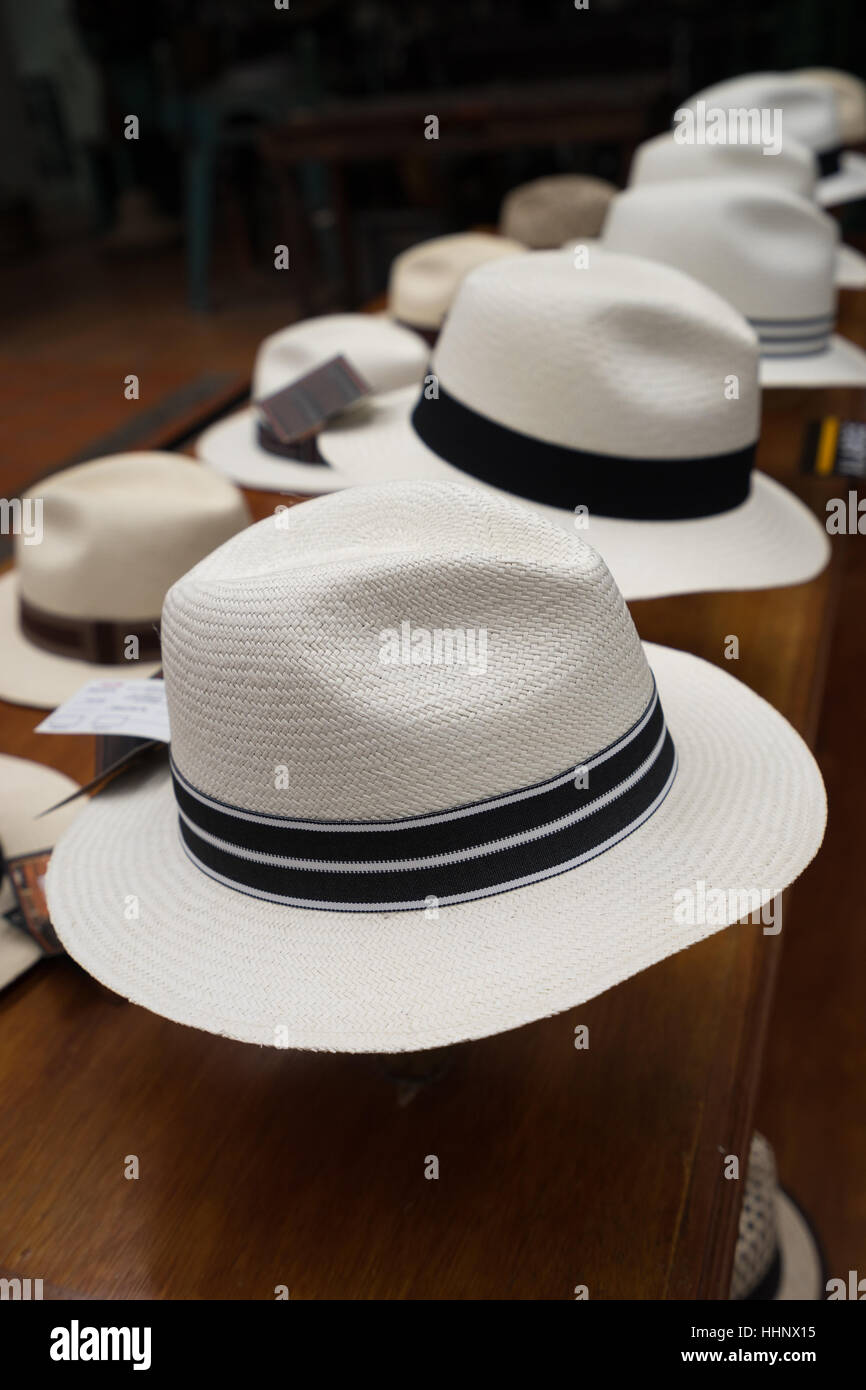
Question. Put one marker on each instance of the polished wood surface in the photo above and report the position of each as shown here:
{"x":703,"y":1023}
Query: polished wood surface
{"x":558,"y":1167}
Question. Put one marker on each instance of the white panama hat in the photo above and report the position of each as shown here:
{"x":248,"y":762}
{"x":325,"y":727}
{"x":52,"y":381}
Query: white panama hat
{"x":26,"y":790}
{"x":777,"y":1258}
{"x":848,"y":183}
{"x":366,"y":847}
{"x":242,"y":448}
{"x":601,"y":387}
{"x":768,"y":251}
{"x":116,"y":533}
{"x":546,"y":212}
{"x":664,"y":159}
{"x":424,"y":279}
{"x":811,"y":113}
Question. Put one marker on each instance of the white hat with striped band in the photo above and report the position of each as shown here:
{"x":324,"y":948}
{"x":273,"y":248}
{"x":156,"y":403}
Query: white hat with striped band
{"x":426,"y":785}
{"x":769,"y":252}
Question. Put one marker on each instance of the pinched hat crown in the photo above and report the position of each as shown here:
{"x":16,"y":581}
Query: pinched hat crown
{"x":769,"y":252}
{"x":355,"y":714}
{"x":808,"y":108}
{"x":664,"y":158}
{"x":386,"y":355}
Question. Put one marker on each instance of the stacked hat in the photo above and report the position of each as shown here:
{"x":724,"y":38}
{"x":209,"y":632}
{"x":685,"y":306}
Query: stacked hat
{"x":666,"y":159}
{"x":426,"y":785}
{"x":611,"y":393}
{"x":84,"y":598}
{"x":768,"y":251}
{"x":424,"y":279}
{"x":243,"y":448}
{"x":28,"y":790}
{"x":777,"y":1255}
{"x":545,"y":213}
{"x":808,"y":111}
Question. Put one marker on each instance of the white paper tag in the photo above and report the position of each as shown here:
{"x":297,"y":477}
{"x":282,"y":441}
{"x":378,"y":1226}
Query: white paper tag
{"x":136,"y":708}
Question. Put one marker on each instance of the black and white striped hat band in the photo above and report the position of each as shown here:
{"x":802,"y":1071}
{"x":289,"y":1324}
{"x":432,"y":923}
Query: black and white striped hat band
{"x":794,"y":337}
{"x":444,"y":857}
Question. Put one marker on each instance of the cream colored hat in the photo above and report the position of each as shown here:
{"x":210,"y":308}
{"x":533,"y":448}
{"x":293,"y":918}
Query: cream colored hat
{"x":769,"y":252}
{"x":608,"y":387}
{"x":777,"y":1256}
{"x":850,"y":94}
{"x":26,"y":790}
{"x":115,"y":534}
{"x":425,"y":278}
{"x":385,"y":354}
{"x":664,"y":159}
{"x":545,"y":213}
{"x":441,"y":790}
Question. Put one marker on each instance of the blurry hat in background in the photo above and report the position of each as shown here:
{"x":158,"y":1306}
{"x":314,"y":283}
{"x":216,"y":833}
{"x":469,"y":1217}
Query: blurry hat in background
{"x":545,"y":213}
{"x":777,"y":1256}
{"x":115,"y":533}
{"x":850,"y":94}
{"x":664,"y":159}
{"x":425,"y":278}
{"x":385,"y":354}
{"x":770,"y":253}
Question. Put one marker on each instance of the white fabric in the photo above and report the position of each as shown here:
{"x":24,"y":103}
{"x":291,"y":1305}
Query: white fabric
{"x":425,"y":278}
{"x":270,"y":661}
{"x":769,"y":252}
{"x":117,"y":532}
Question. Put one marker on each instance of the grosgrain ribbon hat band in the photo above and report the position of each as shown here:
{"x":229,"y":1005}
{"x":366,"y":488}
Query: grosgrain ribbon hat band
{"x":301,"y":451}
{"x":794,"y":337}
{"x":101,"y":642}
{"x":451,"y":856}
{"x":559,"y":476}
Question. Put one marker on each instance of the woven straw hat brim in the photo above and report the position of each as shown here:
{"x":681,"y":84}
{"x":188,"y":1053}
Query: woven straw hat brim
{"x":847,"y":184}
{"x":31,"y":676}
{"x":231,"y":448}
{"x":746,"y":810}
{"x":843,"y":364}
{"x":769,"y":541}
{"x":28,"y":788}
{"x":802,"y":1272}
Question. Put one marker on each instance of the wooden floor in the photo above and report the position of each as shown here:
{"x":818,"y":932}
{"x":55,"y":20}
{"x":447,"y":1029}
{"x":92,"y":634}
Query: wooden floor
{"x":78,"y":326}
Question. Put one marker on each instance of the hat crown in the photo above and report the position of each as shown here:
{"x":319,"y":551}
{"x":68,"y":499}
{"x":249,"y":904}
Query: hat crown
{"x":118,"y":531}
{"x":768,"y":251}
{"x":294,"y":688}
{"x":617,"y":356}
{"x":386,"y":355}
{"x":664,"y":158}
{"x":808,"y":108}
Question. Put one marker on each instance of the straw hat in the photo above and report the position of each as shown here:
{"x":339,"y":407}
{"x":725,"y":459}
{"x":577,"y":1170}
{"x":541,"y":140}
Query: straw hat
{"x":624,"y":387}
{"x":850,"y":94}
{"x":385,"y":354}
{"x":377,"y":839}
{"x":116,"y":533}
{"x":28,"y":789}
{"x":777,"y":1256}
{"x":664,"y":159}
{"x":811,"y":112}
{"x":768,"y":251}
{"x":425,"y":278}
{"x":545,"y":213}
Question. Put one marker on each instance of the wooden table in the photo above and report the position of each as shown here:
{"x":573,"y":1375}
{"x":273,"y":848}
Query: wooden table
{"x":558,"y":1167}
